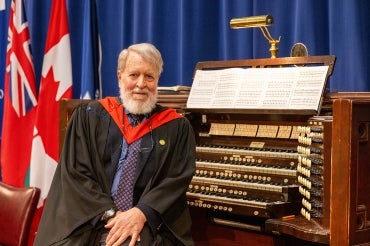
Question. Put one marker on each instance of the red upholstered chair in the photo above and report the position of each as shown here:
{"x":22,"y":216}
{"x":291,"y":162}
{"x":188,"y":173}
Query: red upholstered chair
{"x":17,"y":207}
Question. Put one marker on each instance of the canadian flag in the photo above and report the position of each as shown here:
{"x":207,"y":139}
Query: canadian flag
{"x":56,"y":83}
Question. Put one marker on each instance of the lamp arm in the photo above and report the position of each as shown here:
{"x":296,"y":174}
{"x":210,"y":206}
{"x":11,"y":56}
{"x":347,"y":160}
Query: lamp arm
{"x":273,"y":42}
{"x":266,"y":33}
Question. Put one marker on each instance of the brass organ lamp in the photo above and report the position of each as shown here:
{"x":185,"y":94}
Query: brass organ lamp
{"x":261,"y":21}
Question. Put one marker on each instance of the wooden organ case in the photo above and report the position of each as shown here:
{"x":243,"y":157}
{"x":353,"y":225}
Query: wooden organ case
{"x":282,"y":177}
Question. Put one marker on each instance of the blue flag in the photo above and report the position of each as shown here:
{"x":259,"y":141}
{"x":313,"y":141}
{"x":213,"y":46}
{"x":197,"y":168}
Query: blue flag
{"x":91,"y":54}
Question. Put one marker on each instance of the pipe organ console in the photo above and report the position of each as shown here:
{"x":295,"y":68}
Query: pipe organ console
{"x":282,"y":177}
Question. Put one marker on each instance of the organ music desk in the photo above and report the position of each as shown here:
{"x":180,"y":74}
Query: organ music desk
{"x":283,"y":177}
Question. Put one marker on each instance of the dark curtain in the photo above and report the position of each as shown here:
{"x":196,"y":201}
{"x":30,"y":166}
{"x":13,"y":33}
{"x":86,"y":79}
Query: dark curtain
{"x":189,"y":31}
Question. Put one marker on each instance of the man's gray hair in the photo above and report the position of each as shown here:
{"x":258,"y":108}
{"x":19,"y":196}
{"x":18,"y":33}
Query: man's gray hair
{"x":147,"y":51}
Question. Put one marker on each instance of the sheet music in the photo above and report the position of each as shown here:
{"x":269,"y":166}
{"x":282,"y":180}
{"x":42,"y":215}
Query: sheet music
{"x":258,"y":88}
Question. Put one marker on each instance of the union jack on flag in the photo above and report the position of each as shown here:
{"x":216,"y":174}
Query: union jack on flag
{"x":19,"y":66}
{"x":19,"y":100}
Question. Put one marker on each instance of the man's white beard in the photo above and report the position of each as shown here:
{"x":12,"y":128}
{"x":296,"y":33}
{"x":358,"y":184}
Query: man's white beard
{"x":138,"y":107}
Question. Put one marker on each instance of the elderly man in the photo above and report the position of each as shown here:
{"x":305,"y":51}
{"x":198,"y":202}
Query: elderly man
{"x":124,"y":168}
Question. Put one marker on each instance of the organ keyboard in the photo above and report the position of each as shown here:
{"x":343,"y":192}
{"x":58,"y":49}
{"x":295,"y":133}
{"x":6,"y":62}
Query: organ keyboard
{"x":246,"y":167}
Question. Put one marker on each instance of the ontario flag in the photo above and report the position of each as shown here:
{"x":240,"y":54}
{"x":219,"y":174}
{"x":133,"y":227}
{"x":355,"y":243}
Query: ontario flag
{"x":56,"y":83}
{"x":19,"y":100}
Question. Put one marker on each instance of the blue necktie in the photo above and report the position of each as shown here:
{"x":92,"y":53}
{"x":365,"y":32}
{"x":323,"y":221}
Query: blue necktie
{"x":124,"y":195}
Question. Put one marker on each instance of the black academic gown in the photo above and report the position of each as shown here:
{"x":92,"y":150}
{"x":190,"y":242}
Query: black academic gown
{"x":81,"y":187}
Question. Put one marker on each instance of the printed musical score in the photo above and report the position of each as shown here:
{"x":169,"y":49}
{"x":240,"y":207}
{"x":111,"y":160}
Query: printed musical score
{"x":299,"y":88}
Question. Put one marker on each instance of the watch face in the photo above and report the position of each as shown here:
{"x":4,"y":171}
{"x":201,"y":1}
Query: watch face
{"x":109,"y":214}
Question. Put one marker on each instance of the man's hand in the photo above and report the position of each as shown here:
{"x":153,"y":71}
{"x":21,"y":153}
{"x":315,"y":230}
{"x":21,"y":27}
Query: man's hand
{"x":124,"y":225}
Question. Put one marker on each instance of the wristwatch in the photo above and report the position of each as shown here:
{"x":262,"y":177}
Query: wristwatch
{"x":108,"y":214}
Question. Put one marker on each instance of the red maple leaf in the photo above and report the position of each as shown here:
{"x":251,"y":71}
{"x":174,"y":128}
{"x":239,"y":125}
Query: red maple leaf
{"x":47,"y":119}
